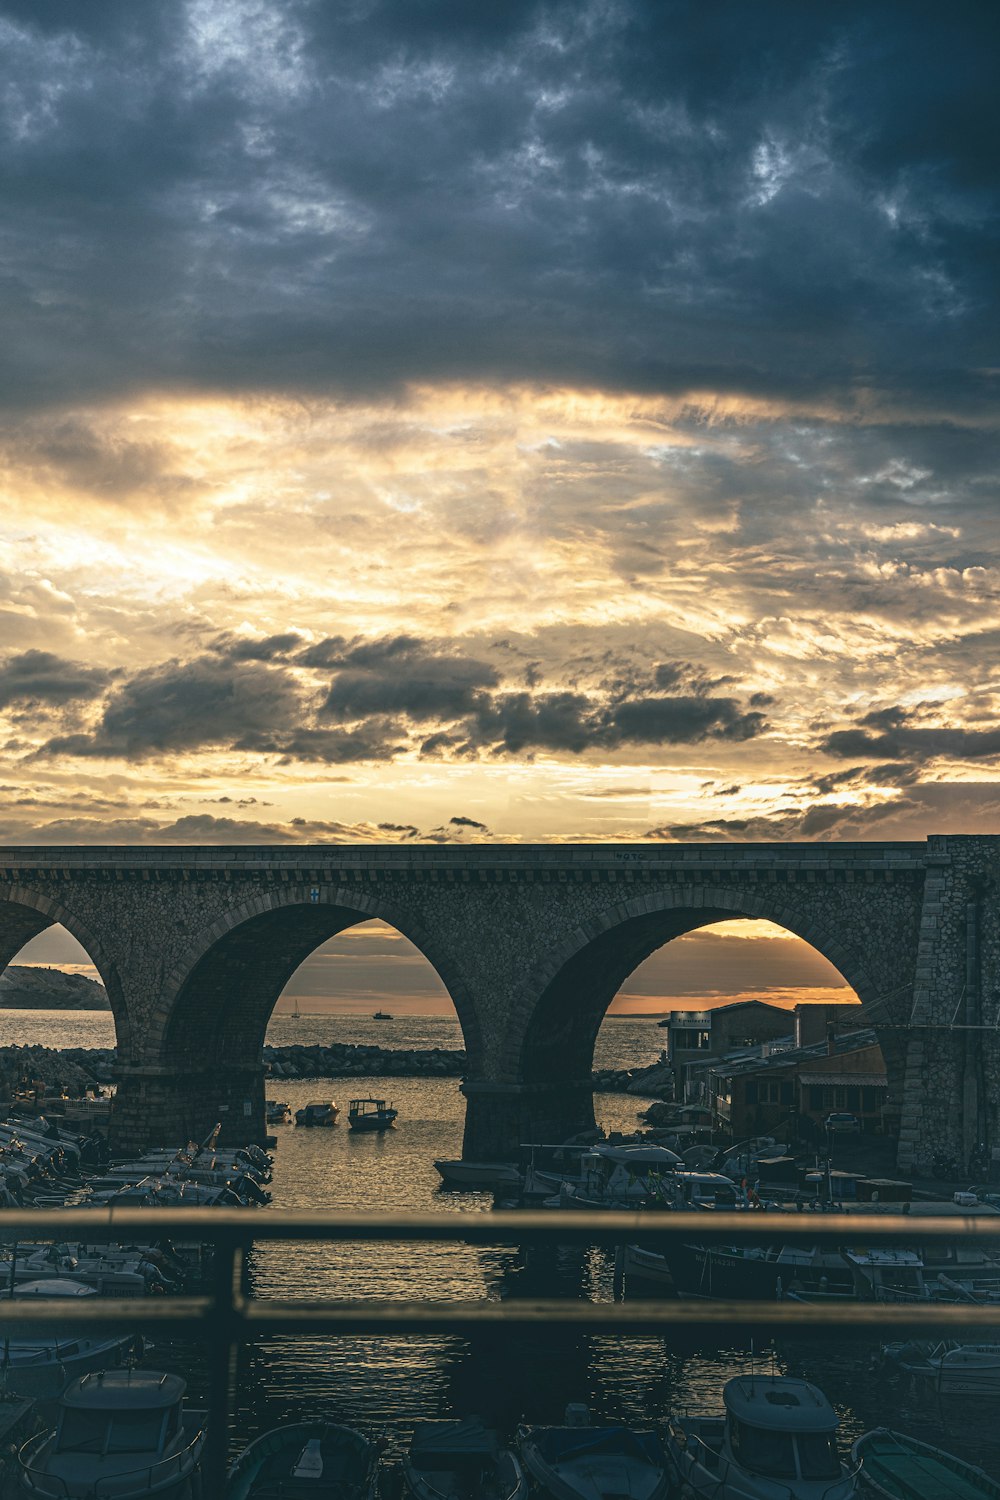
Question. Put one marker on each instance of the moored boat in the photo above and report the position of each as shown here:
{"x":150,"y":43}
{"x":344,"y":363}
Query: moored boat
{"x":898,"y":1467}
{"x":316,"y":1458}
{"x":41,"y":1366}
{"x":121,"y":1433}
{"x":952,"y":1369}
{"x":475,"y":1175}
{"x":277,"y":1112}
{"x":776,"y":1437}
{"x":461,"y":1461}
{"x":371,"y":1114}
{"x":318,"y":1112}
{"x":582,"y":1462}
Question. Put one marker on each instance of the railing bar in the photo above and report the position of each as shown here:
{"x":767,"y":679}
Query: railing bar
{"x":498,"y":1227}
{"x":247,"y":1320}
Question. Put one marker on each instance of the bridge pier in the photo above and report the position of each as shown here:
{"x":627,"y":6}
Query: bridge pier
{"x":162,"y":1107}
{"x":500,"y":1117}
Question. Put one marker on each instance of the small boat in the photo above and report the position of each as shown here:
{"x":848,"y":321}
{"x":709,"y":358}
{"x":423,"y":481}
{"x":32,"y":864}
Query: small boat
{"x":41,"y":1366}
{"x":952,"y":1369}
{"x":777,"y":1435}
{"x":898,"y":1467}
{"x":277,"y":1112}
{"x":382,"y":1015}
{"x":461,"y":1461}
{"x":122,"y":1433}
{"x":319,"y":1112}
{"x":474,"y":1175}
{"x":316,"y":1458}
{"x":582,"y":1462}
{"x":371,"y":1114}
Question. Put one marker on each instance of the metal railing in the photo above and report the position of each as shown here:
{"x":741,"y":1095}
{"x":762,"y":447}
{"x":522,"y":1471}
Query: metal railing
{"x":225,"y":1317}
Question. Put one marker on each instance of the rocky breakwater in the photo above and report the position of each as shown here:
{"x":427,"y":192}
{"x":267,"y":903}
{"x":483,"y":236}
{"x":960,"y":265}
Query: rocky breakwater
{"x":654,"y":1082}
{"x":343,"y":1060}
{"x":77,"y":1065}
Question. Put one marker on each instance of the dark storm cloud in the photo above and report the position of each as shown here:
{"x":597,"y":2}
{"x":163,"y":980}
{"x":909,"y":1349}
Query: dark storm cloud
{"x":41,"y":677}
{"x":575,"y":722}
{"x":404,"y":676}
{"x":642,"y":196}
{"x":177,"y":707}
{"x":901,"y":740}
{"x":265,"y":648}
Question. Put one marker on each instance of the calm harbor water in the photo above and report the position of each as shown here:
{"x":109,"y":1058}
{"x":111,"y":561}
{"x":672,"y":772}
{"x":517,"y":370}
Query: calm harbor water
{"x":391,"y":1383}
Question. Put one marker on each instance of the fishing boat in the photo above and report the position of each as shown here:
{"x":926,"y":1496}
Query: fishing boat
{"x":461,"y":1461}
{"x":776,"y":1436}
{"x":382,"y":1015}
{"x":476,"y":1175}
{"x":277,"y":1112}
{"x":319,"y":1112}
{"x":371,"y":1114}
{"x":579,"y":1461}
{"x":121,"y":1433}
{"x":898,"y":1467}
{"x":316,"y":1458}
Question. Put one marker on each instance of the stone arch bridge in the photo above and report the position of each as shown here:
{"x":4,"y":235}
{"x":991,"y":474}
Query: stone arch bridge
{"x":194,"y":945}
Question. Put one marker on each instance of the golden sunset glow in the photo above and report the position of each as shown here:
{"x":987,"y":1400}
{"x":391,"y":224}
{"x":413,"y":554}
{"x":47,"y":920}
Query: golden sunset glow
{"x":485,"y":431}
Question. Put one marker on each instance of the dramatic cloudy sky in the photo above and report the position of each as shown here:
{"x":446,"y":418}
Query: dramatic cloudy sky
{"x":422,"y":419}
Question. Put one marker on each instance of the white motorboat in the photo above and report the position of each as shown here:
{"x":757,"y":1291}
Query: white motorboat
{"x":582,"y":1462}
{"x":475,"y":1175}
{"x":461,"y":1461}
{"x":950,"y":1368}
{"x":120,"y":1432}
{"x":40,"y":1366}
{"x":622,"y":1177}
{"x":776,"y":1440}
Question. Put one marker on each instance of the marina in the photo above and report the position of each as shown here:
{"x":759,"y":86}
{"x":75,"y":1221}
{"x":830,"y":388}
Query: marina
{"x":384,"y":1388}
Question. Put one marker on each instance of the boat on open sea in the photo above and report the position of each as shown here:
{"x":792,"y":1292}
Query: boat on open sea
{"x":579,"y":1461}
{"x":461,"y":1461}
{"x":371,"y":1114}
{"x":120,"y":1433}
{"x":319,"y":1459}
{"x":777,"y":1436}
{"x":897,"y":1467}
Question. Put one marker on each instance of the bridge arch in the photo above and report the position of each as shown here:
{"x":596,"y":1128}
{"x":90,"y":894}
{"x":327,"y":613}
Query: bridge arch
{"x":24,"y":913}
{"x":560,"y":1007}
{"x":218,"y":997}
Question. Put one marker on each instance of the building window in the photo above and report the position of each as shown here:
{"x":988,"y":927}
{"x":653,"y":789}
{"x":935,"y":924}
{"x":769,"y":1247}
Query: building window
{"x":688,"y":1039}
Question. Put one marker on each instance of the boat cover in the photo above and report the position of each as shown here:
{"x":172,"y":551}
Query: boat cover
{"x":462,"y":1439}
{"x":559,"y":1445}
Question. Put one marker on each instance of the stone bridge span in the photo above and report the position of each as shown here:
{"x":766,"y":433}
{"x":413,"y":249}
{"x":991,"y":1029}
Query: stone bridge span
{"x":532,"y":943}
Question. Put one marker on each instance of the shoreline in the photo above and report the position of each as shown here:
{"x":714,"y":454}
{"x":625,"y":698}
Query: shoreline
{"x":79,"y":1065}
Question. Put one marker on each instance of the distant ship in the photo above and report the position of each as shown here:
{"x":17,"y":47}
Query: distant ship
{"x":382,"y":1015}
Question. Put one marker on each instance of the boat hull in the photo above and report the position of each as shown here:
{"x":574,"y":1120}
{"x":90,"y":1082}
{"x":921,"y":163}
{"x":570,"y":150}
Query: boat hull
{"x":343,"y":1464}
{"x":897,"y":1467}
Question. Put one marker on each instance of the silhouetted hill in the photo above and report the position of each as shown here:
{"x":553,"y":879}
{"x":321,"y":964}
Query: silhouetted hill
{"x":25,"y":988}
